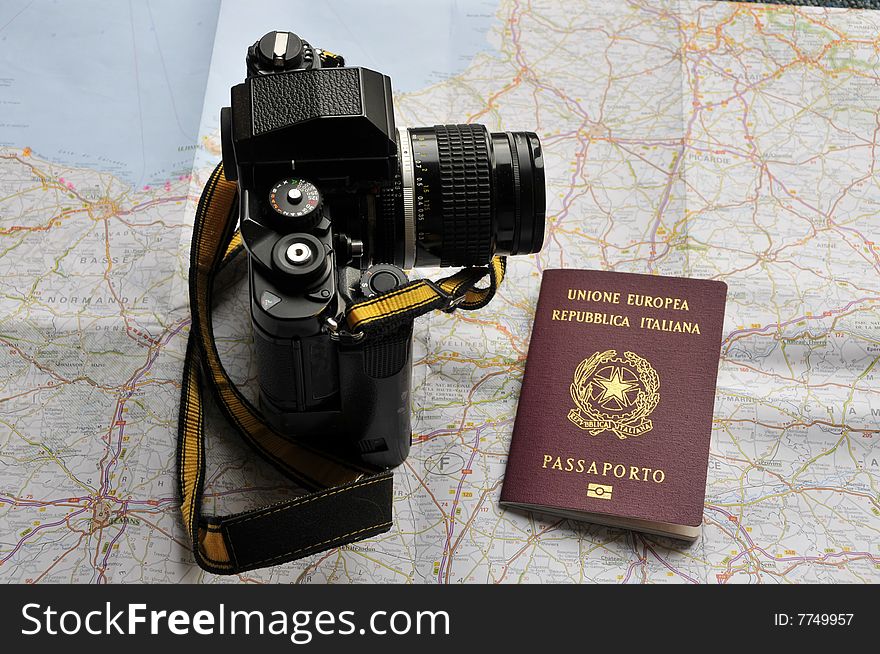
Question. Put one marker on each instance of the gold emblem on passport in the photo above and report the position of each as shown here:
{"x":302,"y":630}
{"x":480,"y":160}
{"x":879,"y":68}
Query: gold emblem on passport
{"x":599,"y":491}
{"x":615,"y":394}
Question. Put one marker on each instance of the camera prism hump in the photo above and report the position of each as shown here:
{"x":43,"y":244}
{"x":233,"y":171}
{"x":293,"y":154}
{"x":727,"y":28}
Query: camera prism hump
{"x":333,"y":122}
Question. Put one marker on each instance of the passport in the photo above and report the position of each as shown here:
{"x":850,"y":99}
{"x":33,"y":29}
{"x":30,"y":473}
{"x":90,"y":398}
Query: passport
{"x":615,"y":413}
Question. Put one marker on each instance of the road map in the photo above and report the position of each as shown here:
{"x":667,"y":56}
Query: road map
{"x":737,"y":142}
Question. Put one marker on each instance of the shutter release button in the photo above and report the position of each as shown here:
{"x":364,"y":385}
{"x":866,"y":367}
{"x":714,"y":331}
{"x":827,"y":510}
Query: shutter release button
{"x":299,"y":254}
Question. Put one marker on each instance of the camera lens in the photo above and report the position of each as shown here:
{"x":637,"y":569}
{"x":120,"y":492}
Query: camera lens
{"x":462,"y":195}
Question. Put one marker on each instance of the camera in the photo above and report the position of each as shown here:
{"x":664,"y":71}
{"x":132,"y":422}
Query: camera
{"x":335,"y":203}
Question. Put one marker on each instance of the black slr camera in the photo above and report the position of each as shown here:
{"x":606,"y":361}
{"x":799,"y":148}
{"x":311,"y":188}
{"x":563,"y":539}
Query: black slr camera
{"x":335,"y":202}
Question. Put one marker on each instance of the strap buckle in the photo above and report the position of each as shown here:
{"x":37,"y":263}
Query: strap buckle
{"x":336,"y":332}
{"x":451,"y":301}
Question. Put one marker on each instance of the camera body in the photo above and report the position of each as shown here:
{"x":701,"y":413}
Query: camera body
{"x":334,"y":203}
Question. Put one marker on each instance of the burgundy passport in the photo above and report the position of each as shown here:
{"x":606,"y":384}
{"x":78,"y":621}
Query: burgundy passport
{"x":615,"y":413}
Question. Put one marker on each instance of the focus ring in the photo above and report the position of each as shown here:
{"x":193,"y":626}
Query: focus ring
{"x":466,"y":194}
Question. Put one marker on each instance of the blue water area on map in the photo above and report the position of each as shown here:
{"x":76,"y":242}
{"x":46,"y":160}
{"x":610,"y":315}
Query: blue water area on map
{"x":121,"y":86}
{"x":416,"y":42}
{"x":115,"y":86}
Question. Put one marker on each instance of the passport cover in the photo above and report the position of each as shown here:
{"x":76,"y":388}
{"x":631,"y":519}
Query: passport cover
{"x":615,"y":413}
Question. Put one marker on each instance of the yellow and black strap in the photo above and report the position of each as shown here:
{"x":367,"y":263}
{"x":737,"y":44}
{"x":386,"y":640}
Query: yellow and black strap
{"x":345,"y":502}
{"x":419,"y":297}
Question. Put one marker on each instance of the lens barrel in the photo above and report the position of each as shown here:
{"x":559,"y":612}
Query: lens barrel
{"x":462,"y":196}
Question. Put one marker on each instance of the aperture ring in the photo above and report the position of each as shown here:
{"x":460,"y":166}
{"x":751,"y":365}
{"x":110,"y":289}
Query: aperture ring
{"x":407,"y":175}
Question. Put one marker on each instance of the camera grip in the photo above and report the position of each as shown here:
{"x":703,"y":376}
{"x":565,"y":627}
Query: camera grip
{"x":375,"y":383}
{"x":352,"y":399}
{"x":296,"y":374}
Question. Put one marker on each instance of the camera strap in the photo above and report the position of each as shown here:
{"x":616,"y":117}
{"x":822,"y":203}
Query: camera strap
{"x":344,"y":502}
{"x":421,"y":296}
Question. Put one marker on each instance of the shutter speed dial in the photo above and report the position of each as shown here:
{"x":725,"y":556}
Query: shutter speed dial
{"x":297,"y":199}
